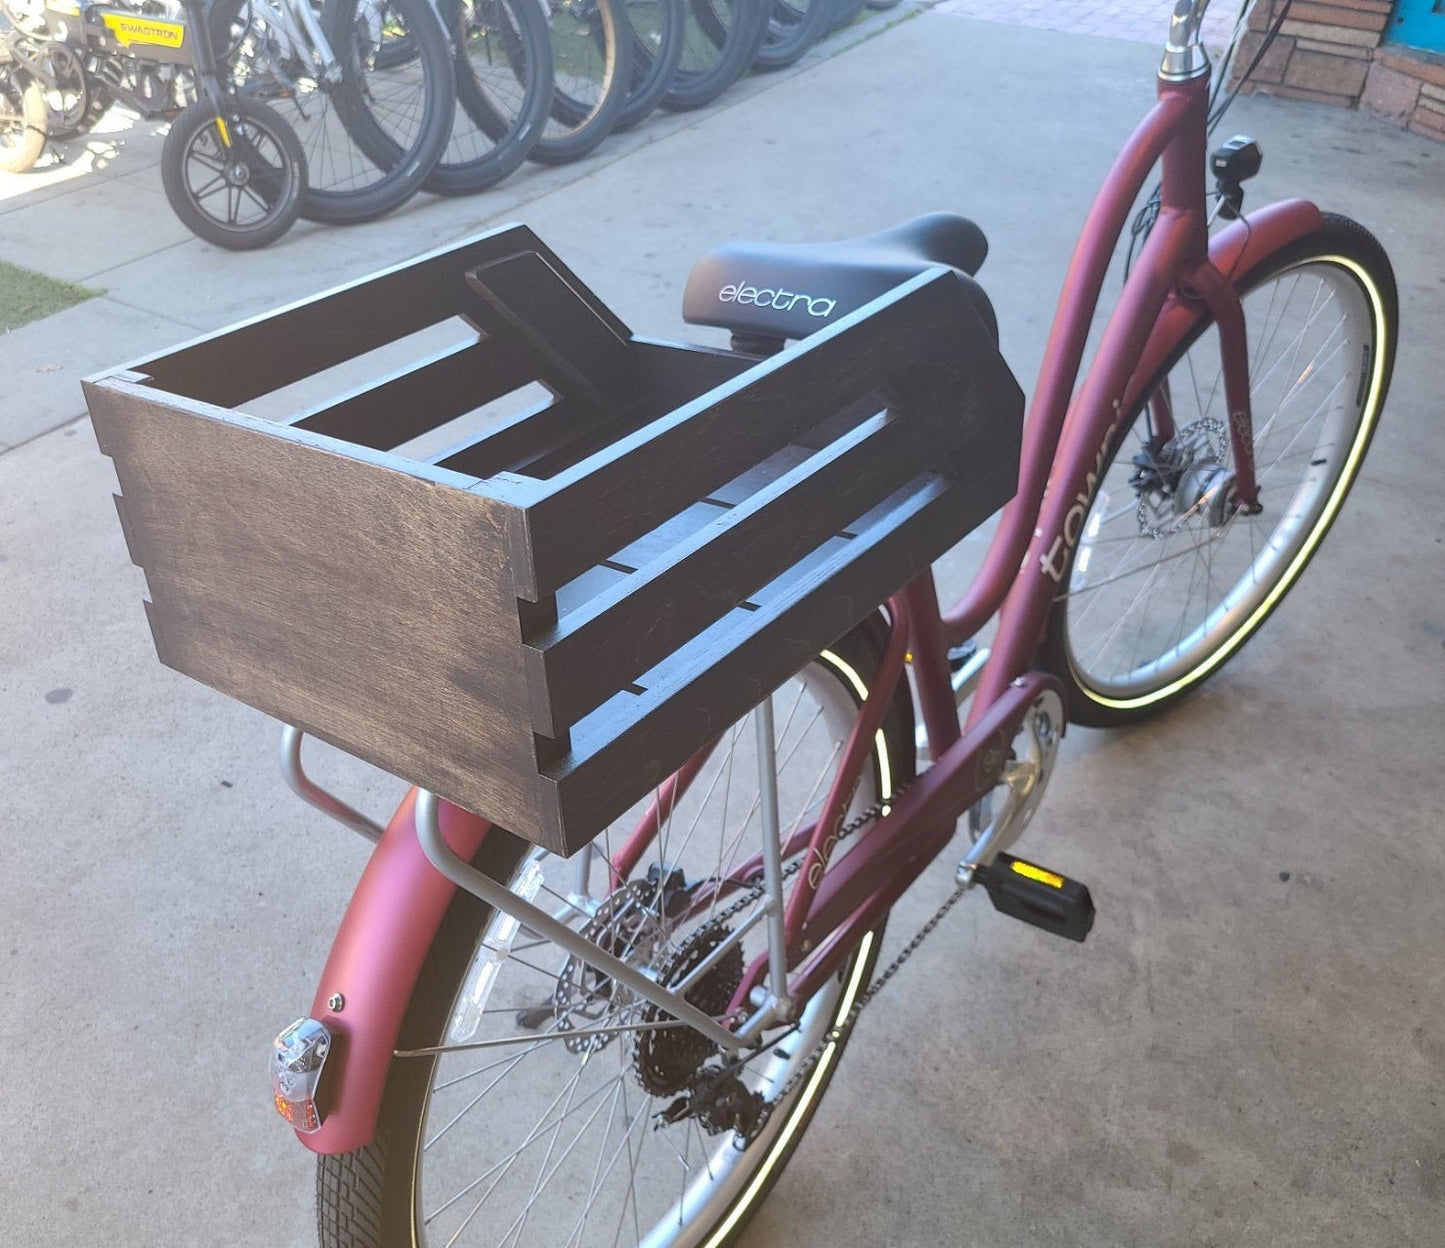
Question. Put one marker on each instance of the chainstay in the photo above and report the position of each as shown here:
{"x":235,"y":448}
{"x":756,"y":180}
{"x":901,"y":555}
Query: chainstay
{"x":861,"y":820}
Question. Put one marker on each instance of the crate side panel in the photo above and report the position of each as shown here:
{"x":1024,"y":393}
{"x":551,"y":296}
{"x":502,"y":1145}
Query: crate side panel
{"x":364,"y":604}
{"x":675,"y":598}
{"x":922,"y":337}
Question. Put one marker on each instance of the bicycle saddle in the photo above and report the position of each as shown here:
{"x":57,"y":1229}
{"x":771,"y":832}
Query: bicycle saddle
{"x":789,"y":290}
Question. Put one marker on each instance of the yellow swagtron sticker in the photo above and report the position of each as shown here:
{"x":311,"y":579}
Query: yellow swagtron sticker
{"x":1031,"y":872}
{"x":129,"y":30}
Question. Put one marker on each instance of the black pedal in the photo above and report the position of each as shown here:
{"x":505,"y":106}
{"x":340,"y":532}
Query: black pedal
{"x":1038,"y":896}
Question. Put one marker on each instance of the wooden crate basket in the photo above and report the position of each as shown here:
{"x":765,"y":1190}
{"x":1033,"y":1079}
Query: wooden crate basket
{"x":543,"y":618}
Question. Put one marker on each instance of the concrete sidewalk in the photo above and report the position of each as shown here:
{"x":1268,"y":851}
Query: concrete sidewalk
{"x":1249,"y":1049}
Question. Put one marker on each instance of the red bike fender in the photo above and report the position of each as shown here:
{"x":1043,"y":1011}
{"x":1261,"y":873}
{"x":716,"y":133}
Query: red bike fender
{"x":374,"y":963}
{"x":1232,"y":251}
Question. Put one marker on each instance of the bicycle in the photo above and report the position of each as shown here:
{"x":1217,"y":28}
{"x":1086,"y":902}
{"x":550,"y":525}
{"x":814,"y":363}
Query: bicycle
{"x":671,"y":1012}
{"x":372,"y":124}
{"x":231,"y":168}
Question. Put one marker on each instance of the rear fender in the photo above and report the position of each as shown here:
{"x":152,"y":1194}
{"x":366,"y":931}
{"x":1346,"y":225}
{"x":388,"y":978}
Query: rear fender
{"x":374,"y":963}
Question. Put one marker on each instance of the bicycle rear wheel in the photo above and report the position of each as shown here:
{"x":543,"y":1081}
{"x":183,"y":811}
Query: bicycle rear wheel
{"x":1169,"y":580}
{"x":558,"y":1140}
{"x":370,"y":138}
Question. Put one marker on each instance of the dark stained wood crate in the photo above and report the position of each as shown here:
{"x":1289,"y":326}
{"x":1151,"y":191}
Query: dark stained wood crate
{"x":542,"y":620}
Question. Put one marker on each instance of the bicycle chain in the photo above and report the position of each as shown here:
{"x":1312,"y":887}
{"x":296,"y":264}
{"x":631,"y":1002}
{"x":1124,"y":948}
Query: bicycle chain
{"x":839,"y":1029}
{"x":860,"y":821}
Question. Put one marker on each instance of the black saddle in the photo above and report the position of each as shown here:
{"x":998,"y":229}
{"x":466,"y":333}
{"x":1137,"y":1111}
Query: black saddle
{"x":790,"y":290}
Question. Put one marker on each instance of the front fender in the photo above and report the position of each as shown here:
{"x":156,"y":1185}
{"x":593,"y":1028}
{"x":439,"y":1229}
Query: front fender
{"x":1233,"y":251}
{"x":375,"y":959}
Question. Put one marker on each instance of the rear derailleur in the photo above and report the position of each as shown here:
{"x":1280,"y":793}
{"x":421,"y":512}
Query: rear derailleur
{"x":720,"y":1102}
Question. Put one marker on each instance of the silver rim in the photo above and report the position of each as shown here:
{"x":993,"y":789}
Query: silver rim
{"x":1164,"y":589}
{"x":537,"y":1144}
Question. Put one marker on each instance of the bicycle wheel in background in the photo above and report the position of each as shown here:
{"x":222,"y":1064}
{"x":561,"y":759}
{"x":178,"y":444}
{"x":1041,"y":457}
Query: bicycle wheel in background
{"x":371,"y":138}
{"x":22,"y":120}
{"x":720,"y":42}
{"x":658,"y":27}
{"x":560,"y":1139}
{"x":239,"y":195}
{"x":592,"y":74}
{"x":1167,"y":582}
{"x":504,"y":92}
{"x":794,"y":26}
{"x":846,"y":12}
{"x":75,"y":99}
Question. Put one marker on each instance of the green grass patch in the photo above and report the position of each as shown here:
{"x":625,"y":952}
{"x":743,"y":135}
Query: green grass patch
{"x":27,"y":296}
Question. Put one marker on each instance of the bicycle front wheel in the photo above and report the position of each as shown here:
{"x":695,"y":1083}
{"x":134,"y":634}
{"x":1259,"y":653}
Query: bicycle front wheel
{"x":240,"y":190}
{"x":1169,"y":579}
{"x":560,"y":1138}
{"x":657,"y":30}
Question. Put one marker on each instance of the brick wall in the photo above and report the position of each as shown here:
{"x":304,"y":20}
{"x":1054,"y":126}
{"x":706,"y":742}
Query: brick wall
{"x":1409,"y":89}
{"x":1332,"y":52}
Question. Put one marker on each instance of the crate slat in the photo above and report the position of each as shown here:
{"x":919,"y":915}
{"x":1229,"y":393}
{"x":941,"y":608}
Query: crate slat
{"x":409,"y":401}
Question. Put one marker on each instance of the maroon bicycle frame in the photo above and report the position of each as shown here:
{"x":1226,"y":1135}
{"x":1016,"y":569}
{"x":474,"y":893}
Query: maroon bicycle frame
{"x":1181,"y":277}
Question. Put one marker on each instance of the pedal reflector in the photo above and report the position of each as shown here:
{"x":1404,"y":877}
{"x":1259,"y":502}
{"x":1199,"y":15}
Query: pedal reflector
{"x":1038,"y":896}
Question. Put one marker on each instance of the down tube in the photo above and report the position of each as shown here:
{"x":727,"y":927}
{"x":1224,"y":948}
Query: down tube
{"x":1094,"y":420}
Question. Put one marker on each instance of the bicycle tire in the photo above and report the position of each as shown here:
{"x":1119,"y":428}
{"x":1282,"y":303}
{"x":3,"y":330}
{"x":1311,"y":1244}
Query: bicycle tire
{"x":504,"y":91}
{"x":793,"y":28}
{"x":1323,"y":315}
{"x":658,"y":27}
{"x":371,"y":139}
{"x":845,"y":13}
{"x":721,"y":40}
{"x":381,"y":1195}
{"x":23,"y":116}
{"x":592,"y":45}
{"x":270,"y":174}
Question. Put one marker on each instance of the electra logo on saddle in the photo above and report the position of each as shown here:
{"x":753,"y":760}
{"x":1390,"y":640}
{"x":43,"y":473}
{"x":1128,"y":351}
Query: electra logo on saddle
{"x":782,"y":300}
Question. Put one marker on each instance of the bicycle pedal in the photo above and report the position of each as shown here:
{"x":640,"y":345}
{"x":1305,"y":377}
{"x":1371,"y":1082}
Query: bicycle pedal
{"x":1038,"y":896}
